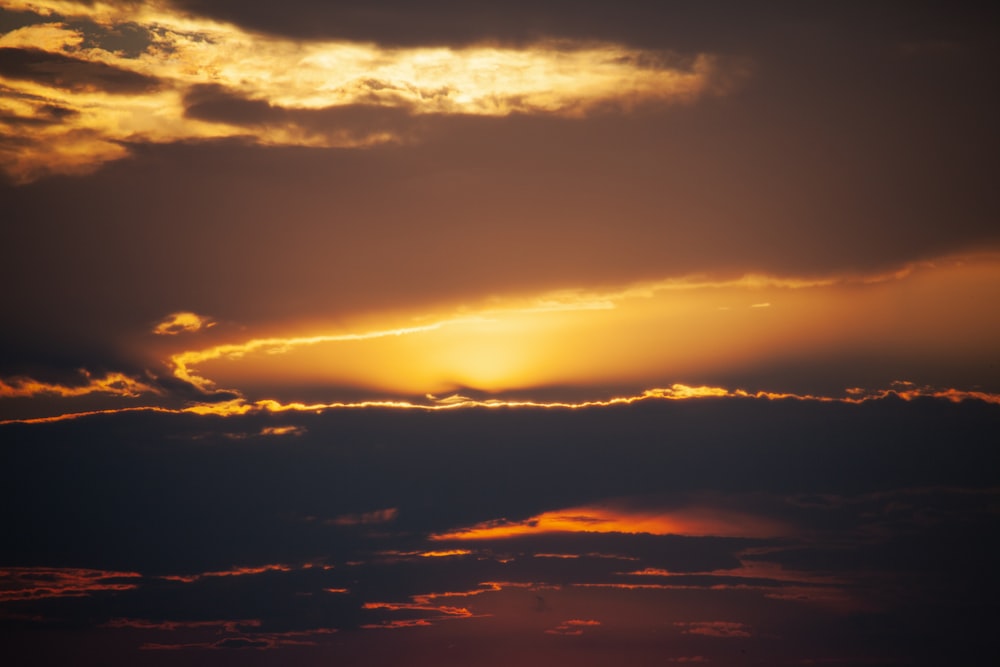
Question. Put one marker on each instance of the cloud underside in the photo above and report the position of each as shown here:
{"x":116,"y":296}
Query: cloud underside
{"x":196,"y":79}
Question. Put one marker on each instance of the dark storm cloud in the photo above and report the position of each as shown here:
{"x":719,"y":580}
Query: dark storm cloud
{"x":61,"y":71}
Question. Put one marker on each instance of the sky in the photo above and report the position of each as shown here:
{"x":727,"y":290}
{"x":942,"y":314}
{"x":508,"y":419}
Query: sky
{"x":471,"y":332}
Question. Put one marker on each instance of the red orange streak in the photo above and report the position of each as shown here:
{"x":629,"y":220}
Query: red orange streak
{"x":395,"y":625}
{"x":33,"y":583}
{"x":242,"y":571}
{"x":235,"y":572}
{"x":425,"y":602}
{"x":699,"y":522}
{"x":761,"y":570}
{"x":406,"y":606}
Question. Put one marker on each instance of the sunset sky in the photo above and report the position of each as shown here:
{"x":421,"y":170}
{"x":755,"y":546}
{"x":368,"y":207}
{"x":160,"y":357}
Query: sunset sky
{"x":479,"y":333}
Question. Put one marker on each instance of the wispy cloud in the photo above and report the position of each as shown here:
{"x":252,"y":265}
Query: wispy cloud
{"x":35,"y":583}
{"x":723,"y":629}
{"x":573,"y":627}
{"x":386,"y":515}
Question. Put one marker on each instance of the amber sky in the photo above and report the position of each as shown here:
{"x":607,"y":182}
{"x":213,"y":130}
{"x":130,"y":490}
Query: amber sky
{"x":239,"y":223}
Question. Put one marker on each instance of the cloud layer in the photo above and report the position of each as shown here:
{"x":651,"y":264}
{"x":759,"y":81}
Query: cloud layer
{"x":783,"y":528}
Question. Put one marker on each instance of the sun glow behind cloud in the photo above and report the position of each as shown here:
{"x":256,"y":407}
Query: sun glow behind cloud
{"x":195,"y":78}
{"x":645,"y":335}
{"x":683,"y":336}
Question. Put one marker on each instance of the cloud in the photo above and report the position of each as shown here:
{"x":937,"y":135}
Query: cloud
{"x":386,"y":515}
{"x":347,"y":125}
{"x":244,"y":642}
{"x":115,"y":384}
{"x":171,"y":625}
{"x":283,"y":430}
{"x":38,"y":583}
{"x":573,"y":627}
{"x":182,"y":322}
{"x":610,"y":519}
{"x":43,"y":115}
{"x":73,"y":74}
{"x":723,"y":629}
{"x":192,"y":78}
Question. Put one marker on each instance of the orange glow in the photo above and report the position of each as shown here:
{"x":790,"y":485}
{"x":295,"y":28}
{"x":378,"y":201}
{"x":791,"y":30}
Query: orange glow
{"x":692,"y":522}
{"x":636,"y":335}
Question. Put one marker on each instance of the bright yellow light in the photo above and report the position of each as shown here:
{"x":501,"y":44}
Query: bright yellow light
{"x":642,"y":335}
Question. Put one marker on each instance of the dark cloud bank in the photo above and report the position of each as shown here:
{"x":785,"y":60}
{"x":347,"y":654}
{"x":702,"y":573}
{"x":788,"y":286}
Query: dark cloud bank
{"x":889,"y":505}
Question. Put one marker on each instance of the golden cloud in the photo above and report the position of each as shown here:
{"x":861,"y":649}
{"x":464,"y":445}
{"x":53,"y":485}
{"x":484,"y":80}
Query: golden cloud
{"x":271,"y":88}
{"x":117,"y":384}
{"x":182,"y":322}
